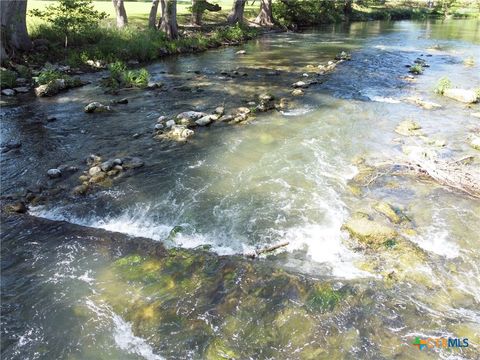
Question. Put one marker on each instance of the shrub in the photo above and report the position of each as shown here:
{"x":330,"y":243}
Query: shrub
{"x":49,"y":75}
{"x":416,"y":69}
{"x":120,"y":76}
{"x":306,"y":12}
{"x":8,"y":78}
{"x":443,"y":84}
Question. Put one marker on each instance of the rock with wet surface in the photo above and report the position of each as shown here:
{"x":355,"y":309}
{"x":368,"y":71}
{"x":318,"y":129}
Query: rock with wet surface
{"x":191,"y":115}
{"x":408,"y":128}
{"x":51,"y":89}
{"x":132,"y":163}
{"x":54,"y":173}
{"x":204,"y":121}
{"x":369,"y":232}
{"x":300,"y":84}
{"x":22,"y":89}
{"x":94,"y":170}
{"x":297,"y":92}
{"x":8,"y":92}
{"x":96,"y":107}
{"x":462,"y":95}
{"x":178,"y":133}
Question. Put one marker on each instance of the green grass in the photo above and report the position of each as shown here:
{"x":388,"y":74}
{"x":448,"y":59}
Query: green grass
{"x":443,"y":84}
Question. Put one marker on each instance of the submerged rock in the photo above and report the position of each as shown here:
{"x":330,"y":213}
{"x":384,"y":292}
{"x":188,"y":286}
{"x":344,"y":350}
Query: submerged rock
{"x":408,"y":128}
{"x":427,"y":105}
{"x":369,"y":232}
{"x":462,"y":95}
{"x":395,"y":215}
{"x":191,"y":115}
{"x":132,"y":163}
{"x":219,"y":110}
{"x":80,"y":189}
{"x":297,"y":92}
{"x":203,"y":121}
{"x":96,"y":107}
{"x":22,"y":89}
{"x":8,"y":92}
{"x":54,"y":173}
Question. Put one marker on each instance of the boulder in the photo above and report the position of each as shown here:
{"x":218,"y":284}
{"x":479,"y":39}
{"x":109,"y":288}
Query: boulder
{"x":159,"y":127}
{"x":369,"y":232}
{"x":203,"y":121}
{"x":22,"y":89}
{"x":170,"y":123}
{"x":96,"y":107}
{"x":107,"y":165}
{"x":219,"y":110}
{"x":50,"y":89}
{"x":300,"y":84}
{"x":392,"y":214}
{"x":343,"y":56}
{"x":97,"y":178}
{"x":54,"y":173}
{"x":132,"y":163}
{"x":191,"y":115}
{"x":95,"y":170}
{"x":462,"y":95}
{"x":226,"y":118}
{"x":178,"y":133}
{"x":18,"y":207}
{"x":8,"y":92}
{"x":297,"y":92}
{"x":242,"y":110}
{"x":266,"y":102}
{"x":408,"y":128}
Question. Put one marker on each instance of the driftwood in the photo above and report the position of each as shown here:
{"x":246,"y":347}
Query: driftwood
{"x":266,"y":250}
{"x":456,"y":174}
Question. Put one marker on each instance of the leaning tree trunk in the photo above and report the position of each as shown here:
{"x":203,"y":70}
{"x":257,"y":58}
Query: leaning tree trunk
{"x":152,"y":18}
{"x":122,"y":20}
{"x":168,"y":23}
{"x":199,"y":7}
{"x":236,"y":15}
{"x":265,"y":17}
{"x":347,"y":9}
{"x":14,"y":35}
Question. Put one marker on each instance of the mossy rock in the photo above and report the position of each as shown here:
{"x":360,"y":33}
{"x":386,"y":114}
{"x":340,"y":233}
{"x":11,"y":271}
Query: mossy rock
{"x":394,"y":214}
{"x":369,"y":232}
{"x":408,"y":128}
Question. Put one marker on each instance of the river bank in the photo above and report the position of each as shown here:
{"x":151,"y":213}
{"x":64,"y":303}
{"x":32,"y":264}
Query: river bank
{"x":374,"y":258}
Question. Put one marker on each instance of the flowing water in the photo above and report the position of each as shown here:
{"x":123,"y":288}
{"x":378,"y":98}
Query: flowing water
{"x":285,"y":176}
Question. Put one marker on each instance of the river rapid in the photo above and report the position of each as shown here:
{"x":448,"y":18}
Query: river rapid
{"x":87,"y":292}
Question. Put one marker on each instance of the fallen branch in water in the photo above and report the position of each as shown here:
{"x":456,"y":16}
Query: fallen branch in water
{"x":266,"y":250}
{"x":455,"y":174}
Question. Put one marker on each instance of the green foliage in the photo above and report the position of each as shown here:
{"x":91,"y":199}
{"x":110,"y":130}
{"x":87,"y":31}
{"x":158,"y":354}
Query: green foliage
{"x":306,"y":12}
{"x":323,"y":298}
{"x":71,"y":17}
{"x":48,"y":75}
{"x":416,"y":69}
{"x":120,"y":76}
{"x":390,"y":243}
{"x":8,"y":78}
{"x":443,"y":84}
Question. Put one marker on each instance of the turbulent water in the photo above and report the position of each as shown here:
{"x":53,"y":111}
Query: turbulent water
{"x":286,"y":176}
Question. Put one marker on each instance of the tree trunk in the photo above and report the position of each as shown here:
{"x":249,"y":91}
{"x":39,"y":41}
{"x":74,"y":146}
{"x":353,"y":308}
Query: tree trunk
{"x":347,"y":9}
{"x":122,"y":20}
{"x":163,"y":7}
{"x":196,"y":12}
{"x":236,"y":15}
{"x":265,"y":17}
{"x":152,"y":18}
{"x":168,"y":23}
{"x":14,"y":35}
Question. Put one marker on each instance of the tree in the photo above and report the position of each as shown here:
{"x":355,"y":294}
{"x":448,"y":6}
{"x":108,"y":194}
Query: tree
{"x":265,"y":17}
{"x":70,"y":17}
{"x":236,"y":15}
{"x":347,"y":9}
{"x":152,"y":18}
{"x":122,"y":19}
{"x":14,"y":34}
{"x":168,"y":23}
{"x":199,"y":7}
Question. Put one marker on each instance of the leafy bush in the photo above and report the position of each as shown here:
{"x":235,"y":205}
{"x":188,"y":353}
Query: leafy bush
{"x":306,"y":12}
{"x":443,"y":84}
{"x":8,"y":78}
{"x":416,"y":69}
{"x":71,"y":17}
{"x":120,"y":76}
{"x":49,"y":75}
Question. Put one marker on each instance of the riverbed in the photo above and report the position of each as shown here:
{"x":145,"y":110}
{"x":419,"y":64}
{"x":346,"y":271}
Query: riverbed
{"x":285,"y":176}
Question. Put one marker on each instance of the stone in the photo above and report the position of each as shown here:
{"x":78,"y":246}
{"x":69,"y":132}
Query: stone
{"x":94,"y":170}
{"x":113,"y":172}
{"x":8,"y":92}
{"x":107,"y":165}
{"x":241,"y":52}
{"x":170,"y":123}
{"x":18,"y":207}
{"x":54,"y":173}
{"x":50,"y":89}
{"x":51,"y":118}
{"x":178,"y":133}
{"x":117,"y":161}
{"x":93,"y":159}
{"x":161,"y":119}
{"x":243,"y":110}
{"x":297,"y":92}
{"x":22,"y":89}
{"x":300,"y":84}
{"x":283,"y":104}
{"x":462,"y":95}
{"x":427,"y":105}
{"x":21,"y":81}
{"x":83,"y":178}
{"x":159,"y":126}
{"x":266,"y":97}
{"x":219,"y":110}
{"x":408,"y":128}
{"x":226,"y":118}
{"x":394,"y":215}
{"x":122,"y":101}
{"x":475,"y":142}
{"x":343,"y":56}
{"x":118,"y":167}
{"x":132,"y":163}
{"x":80,"y":189}
{"x":154,"y":85}
{"x":369,"y":232}
{"x":204,"y":121}
{"x":97,"y":178}
{"x":191,"y":115}
{"x":96,"y":107}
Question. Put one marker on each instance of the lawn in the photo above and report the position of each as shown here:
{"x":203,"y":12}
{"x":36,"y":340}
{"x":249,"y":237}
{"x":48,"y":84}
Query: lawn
{"x":138,"y":12}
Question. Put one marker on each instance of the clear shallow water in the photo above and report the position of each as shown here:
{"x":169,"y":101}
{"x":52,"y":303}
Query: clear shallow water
{"x":285,"y":176}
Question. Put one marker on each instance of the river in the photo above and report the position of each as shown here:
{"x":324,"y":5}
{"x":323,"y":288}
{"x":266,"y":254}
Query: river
{"x":285,"y":176}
